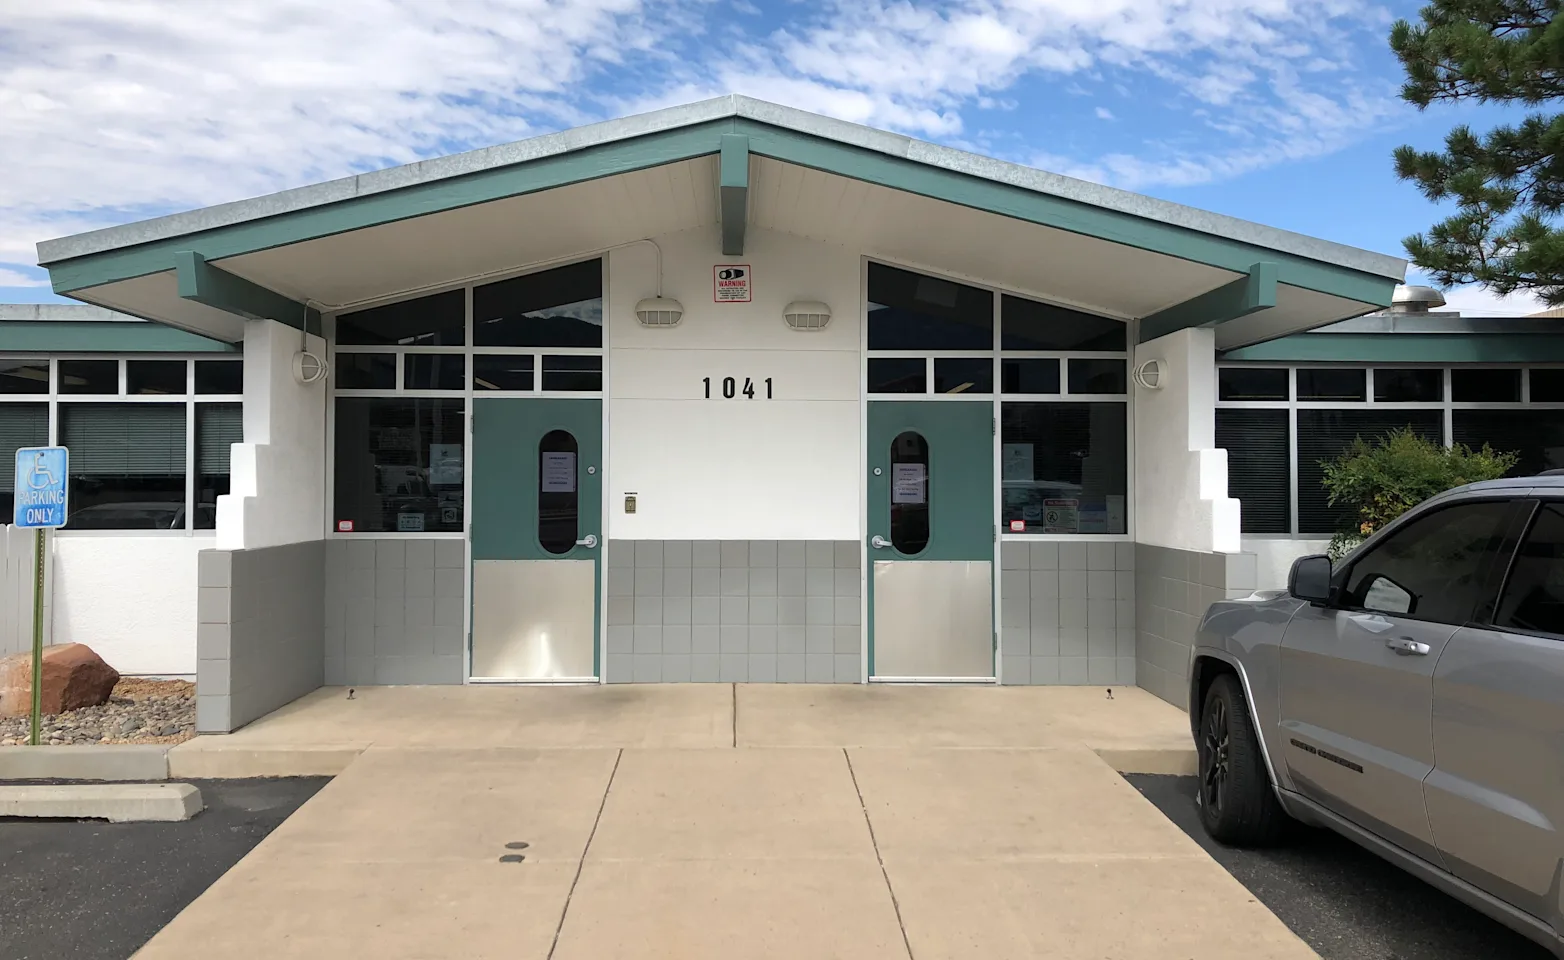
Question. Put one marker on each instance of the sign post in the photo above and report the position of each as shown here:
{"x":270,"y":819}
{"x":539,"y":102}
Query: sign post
{"x":41,"y":500}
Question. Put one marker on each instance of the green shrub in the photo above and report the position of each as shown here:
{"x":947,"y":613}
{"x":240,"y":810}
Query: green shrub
{"x":1380,"y":481}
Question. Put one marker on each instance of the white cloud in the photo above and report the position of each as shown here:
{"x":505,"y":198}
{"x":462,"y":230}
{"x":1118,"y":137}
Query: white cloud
{"x":18,"y":278}
{"x":1476,"y":301}
{"x":1103,"y":113}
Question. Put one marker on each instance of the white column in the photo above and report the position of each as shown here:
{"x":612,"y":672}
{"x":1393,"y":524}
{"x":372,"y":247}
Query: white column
{"x":277,"y":485}
{"x":1180,"y":476}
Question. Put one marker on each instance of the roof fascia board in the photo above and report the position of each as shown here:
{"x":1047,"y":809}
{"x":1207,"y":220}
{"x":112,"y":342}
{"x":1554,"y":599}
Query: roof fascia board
{"x":356,"y":213}
{"x":1239,"y":298}
{"x":221,"y":290}
{"x":1405,"y":348}
{"x":733,"y":192}
{"x":103,"y":336}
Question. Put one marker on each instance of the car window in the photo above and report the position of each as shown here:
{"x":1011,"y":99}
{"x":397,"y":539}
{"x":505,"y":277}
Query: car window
{"x":1434,"y":567}
{"x":1534,"y":594}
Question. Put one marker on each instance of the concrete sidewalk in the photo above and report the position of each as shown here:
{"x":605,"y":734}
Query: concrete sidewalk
{"x":940,"y":824}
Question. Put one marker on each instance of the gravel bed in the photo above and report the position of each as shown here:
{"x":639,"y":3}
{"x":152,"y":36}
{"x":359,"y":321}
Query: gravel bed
{"x":139,"y":711}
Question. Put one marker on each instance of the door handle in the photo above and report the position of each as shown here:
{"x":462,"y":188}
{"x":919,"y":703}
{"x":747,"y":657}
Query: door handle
{"x":878,"y":542}
{"x":589,"y":541}
{"x":1407,"y":647}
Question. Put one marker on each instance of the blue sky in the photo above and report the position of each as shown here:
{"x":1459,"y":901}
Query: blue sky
{"x":1279,"y":111}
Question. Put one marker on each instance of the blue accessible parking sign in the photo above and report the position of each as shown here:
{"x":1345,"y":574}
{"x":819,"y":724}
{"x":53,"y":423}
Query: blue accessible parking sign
{"x":40,"y":486}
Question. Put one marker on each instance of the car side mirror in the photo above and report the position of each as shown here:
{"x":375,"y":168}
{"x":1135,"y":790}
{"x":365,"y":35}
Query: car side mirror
{"x":1310,"y":579}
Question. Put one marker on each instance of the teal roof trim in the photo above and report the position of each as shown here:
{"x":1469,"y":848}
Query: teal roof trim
{"x":1240,"y":298}
{"x":733,"y":192}
{"x":1407,"y":348}
{"x":981,"y":185}
{"x":217,"y":288}
{"x":103,"y":336}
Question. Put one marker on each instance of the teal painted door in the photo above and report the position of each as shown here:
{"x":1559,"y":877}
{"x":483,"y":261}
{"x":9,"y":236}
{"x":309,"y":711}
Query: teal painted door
{"x":931,"y":535}
{"x":537,"y":537}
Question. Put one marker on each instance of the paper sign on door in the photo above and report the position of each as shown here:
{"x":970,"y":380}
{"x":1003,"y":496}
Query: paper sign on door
{"x":559,"y":473}
{"x":909,"y":483}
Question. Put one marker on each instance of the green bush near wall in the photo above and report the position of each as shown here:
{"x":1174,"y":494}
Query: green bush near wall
{"x":1379,"y":481}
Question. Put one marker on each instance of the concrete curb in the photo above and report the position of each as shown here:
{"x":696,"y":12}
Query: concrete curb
{"x":195,"y":759}
{"x":116,"y":803}
{"x":127,"y":761}
{"x":1174,"y":761}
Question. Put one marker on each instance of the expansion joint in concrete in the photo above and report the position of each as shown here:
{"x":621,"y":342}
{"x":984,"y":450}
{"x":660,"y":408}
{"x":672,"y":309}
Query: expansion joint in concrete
{"x":585,"y":850}
{"x":891,"y":890}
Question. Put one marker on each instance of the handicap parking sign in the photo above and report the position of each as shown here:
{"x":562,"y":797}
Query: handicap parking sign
{"x":40,"y":486}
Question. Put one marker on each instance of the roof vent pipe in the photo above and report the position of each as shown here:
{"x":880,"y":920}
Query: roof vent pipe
{"x":1413,"y":299}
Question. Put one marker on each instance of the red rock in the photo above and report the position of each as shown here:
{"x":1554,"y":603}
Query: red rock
{"x":73,"y":677}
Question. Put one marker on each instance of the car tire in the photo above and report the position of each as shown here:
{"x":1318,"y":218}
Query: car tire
{"x":1238,"y":805}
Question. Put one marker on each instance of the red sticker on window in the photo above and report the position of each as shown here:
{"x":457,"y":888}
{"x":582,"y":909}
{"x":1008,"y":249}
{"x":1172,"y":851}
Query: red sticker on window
{"x":1018,"y":526}
{"x":344,"y":526}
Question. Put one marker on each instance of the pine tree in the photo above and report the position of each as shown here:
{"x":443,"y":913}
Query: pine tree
{"x":1508,"y":184}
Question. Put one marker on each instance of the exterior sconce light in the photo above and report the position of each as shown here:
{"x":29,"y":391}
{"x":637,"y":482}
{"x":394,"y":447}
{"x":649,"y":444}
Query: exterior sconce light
{"x":659,"y":312}
{"x":1151,"y":375}
{"x":806,"y":315}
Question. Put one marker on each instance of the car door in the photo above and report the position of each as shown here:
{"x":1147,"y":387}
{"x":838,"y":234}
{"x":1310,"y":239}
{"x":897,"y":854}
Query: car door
{"x":1357,"y":675}
{"x":1494,"y":796}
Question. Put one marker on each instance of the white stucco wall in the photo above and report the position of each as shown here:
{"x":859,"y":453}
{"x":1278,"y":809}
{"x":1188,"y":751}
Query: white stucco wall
{"x":761,"y":469}
{"x":1274,"y":557}
{"x":1180,"y":476}
{"x":277,"y":489}
{"x":132,"y":599}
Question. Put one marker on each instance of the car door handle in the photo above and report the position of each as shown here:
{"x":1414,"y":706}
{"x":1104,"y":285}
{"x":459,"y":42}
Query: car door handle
{"x":589,"y":541}
{"x":1407,"y":647}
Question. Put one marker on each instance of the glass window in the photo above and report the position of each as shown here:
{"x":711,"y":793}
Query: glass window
{"x":1324,"y":434}
{"x":219,"y":376}
{"x":24,"y":376}
{"x":1485,"y":386}
{"x":218,"y":427}
{"x":1258,"y":474}
{"x":910,"y":493}
{"x":1030,"y":325}
{"x":1064,"y":466}
{"x":911,"y":311}
{"x":963,"y":375}
{"x":1547,"y":386}
{"x":1097,"y":376}
{"x":1536,"y":435}
{"x":559,"y":511}
{"x":400,"y":463}
{"x":1031,"y":375}
{"x":365,"y":371}
{"x":165,"y":377}
{"x":898,"y":375}
{"x":1251,"y":383}
{"x":21,"y":425}
{"x":436,"y":321}
{"x":127,"y":465}
{"x":502,"y":372}
{"x":434,"y":371}
{"x":1434,"y":568}
{"x":1410,"y":385}
{"x":562,"y":307}
{"x":1316,"y":383}
{"x":1534,"y":593}
{"x":572,"y":373}
{"x":89,"y":376}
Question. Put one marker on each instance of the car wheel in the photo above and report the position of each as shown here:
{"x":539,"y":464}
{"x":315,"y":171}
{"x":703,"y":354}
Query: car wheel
{"x":1237,"y":803}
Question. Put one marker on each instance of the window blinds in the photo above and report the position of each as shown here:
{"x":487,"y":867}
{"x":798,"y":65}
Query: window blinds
{"x":218,"y":427}
{"x":124,"y":439}
{"x":21,"y":425}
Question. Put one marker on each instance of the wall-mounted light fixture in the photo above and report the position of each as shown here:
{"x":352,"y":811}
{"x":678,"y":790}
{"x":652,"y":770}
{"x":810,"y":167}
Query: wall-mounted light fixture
{"x":806,"y":315}
{"x":659,"y":312}
{"x":1151,"y":374}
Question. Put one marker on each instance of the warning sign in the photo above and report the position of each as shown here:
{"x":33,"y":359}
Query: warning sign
{"x":730,"y":283}
{"x":1062,"y":516}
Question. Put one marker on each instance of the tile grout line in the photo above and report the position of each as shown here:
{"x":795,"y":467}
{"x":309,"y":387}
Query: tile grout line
{"x":874,"y":841}
{"x":581,"y":864}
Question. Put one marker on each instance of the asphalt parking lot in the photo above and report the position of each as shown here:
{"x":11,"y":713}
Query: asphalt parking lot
{"x":1343,"y":901}
{"x":98,"y":891}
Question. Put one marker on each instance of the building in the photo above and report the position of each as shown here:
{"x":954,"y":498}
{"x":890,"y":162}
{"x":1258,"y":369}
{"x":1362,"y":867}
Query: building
{"x":691,"y":396}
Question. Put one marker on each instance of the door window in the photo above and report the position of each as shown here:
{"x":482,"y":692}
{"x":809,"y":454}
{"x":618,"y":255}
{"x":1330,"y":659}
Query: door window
{"x":910,"y":493}
{"x":558,"y":492}
{"x":1534,"y":595}
{"x":1434,"y":568}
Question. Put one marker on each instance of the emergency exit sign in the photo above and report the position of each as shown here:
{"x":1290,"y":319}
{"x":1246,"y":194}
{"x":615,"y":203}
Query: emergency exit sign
{"x":731,"y":283}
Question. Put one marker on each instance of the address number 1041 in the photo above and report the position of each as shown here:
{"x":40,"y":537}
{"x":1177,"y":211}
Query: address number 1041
{"x":730,"y":388}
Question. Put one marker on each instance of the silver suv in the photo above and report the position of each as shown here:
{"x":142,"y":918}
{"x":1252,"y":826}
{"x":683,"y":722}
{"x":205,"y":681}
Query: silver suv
{"x":1409,"y":697}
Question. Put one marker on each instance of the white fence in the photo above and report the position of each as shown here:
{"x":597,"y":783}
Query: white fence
{"x":16,"y":589}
